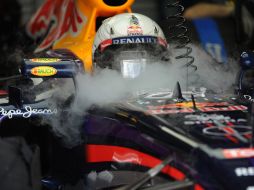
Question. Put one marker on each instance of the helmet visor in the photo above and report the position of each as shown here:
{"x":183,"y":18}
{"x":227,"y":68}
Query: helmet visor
{"x":130,"y":59}
{"x":131,"y":63}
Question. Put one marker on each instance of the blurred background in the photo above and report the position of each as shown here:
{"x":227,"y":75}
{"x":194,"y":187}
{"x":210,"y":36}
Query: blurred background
{"x":148,"y":7}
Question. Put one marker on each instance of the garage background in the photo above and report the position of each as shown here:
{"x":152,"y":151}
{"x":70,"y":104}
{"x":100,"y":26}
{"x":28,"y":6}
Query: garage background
{"x":149,"y":8}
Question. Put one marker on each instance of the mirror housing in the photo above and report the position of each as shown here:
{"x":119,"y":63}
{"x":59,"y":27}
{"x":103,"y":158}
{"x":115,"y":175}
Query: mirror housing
{"x":247,"y":60}
{"x":246,"y":63}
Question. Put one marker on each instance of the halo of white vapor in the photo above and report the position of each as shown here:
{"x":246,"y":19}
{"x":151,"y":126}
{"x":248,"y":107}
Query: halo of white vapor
{"x":108,"y":86}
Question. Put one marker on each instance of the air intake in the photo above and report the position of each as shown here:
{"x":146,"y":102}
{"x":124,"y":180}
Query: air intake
{"x":115,"y":2}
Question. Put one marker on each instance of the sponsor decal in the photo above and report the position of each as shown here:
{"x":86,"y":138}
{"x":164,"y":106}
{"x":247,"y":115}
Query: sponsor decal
{"x":58,"y":18}
{"x":131,"y":40}
{"x":168,"y":94}
{"x":27,"y":112}
{"x":221,"y":126}
{"x":170,"y":111}
{"x":226,"y":131}
{"x":43,"y":71}
{"x":229,"y":108}
{"x":201,"y":106}
{"x":134,"y":29}
{"x":238,"y":153}
{"x":210,"y":118}
{"x":244,"y":171}
{"x":45,"y":60}
{"x":134,"y":39}
{"x":189,"y":105}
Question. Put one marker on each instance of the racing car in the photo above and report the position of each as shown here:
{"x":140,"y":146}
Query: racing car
{"x":163,"y":139}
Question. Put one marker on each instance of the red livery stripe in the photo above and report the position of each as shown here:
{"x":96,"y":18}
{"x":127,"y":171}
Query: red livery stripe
{"x":107,"y":153}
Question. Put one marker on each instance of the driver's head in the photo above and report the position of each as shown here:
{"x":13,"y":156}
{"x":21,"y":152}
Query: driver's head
{"x":127,"y":42}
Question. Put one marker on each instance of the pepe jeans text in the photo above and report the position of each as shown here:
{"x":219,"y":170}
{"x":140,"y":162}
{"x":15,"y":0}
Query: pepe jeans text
{"x":27,"y":112}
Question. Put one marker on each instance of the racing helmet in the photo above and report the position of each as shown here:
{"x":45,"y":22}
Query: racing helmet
{"x":128,"y":42}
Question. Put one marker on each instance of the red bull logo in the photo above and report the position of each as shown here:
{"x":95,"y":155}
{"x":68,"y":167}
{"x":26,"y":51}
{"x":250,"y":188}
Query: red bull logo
{"x":134,"y":29}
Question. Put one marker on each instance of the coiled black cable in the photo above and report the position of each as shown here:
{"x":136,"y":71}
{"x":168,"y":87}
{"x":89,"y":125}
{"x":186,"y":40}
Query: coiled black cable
{"x":178,"y":33}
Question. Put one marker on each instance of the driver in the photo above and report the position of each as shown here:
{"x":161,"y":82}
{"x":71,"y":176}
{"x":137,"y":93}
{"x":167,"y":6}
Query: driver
{"x":128,"y":42}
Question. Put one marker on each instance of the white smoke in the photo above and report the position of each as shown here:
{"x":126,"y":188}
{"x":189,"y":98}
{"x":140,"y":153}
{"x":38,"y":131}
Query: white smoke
{"x":108,"y":86}
{"x":216,"y":77}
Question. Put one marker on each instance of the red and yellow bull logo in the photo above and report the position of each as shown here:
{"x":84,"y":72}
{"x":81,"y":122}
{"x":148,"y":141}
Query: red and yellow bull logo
{"x":134,"y":28}
{"x":43,"y":71}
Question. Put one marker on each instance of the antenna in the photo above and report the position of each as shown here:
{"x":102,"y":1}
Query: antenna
{"x":177,"y":93}
{"x":193,"y":102}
